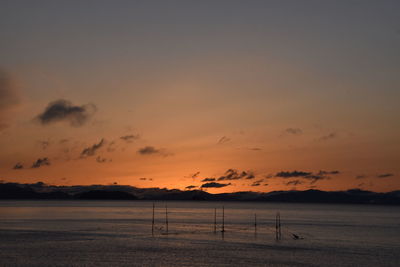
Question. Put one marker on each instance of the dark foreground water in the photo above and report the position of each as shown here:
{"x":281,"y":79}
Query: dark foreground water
{"x":118,"y":233}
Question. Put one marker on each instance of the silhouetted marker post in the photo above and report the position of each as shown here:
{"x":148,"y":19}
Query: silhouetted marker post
{"x":223,"y":220}
{"x":152,"y":222}
{"x":215,"y":220}
{"x":255,"y":223}
{"x":166,"y":217}
{"x":278,"y":233}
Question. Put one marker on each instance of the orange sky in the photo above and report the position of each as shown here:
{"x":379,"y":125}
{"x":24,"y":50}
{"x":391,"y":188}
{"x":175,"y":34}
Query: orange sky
{"x":263,"y":88}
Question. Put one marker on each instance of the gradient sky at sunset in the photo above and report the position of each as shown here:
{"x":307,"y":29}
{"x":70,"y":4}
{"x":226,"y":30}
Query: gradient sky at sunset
{"x":253,"y":95}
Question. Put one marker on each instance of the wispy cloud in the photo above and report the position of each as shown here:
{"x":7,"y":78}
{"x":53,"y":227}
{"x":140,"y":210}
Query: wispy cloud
{"x":257,"y":183}
{"x":385,"y":175}
{"x":361,"y":176}
{"x":145,"y":179}
{"x":232,"y":174}
{"x":208,"y":180}
{"x":312,"y":177}
{"x":41,"y":162}
{"x":294,"y":182}
{"x":293,"y":131}
{"x":328,"y":137}
{"x":214,"y":185}
{"x":130,"y":138}
{"x":195,"y":175}
{"x":91,"y":151}
{"x":18,"y":166}
{"x":290,"y":174}
{"x":102,"y":160}
{"x":255,"y":148}
{"x":223,"y":140}
{"x":148,"y":150}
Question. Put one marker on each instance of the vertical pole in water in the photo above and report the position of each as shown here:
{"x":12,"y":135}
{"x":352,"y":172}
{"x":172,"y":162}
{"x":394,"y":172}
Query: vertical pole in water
{"x":223,"y":219}
{"x":166,"y":217}
{"x":255,"y":223}
{"x":215,"y":220}
{"x":279,"y":221}
{"x":152,"y":223}
{"x":278,"y":232}
{"x":276,"y":226}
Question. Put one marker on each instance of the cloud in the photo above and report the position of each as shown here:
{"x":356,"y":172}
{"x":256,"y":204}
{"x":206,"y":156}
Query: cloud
{"x":313,"y":178}
{"x":148,"y":150}
{"x":294,"y":131}
{"x":189,"y":187}
{"x":290,"y":174}
{"x":294,"y":182}
{"x":18,"y":166}
{"x":101,"y":160}
{"x":255,"y":148}
{"x":63,"y":110}
{"x":232,"y":174}
{"x":130,"y":138}
{"x":91,"y":151}
{"x":328,"y":137}
{"x":257,"y":183}
{"x":214,"y":185}
{"x":145,"y":179}
{"x":41,"y":162}
{"x":208,"y":180}
{"x":385,"y":175}
{"x":9,"y":98}
{"x":361,"y":176}
{"x":328,"y":172}
{"x":195,"y":175}
{"x":223,"y":140}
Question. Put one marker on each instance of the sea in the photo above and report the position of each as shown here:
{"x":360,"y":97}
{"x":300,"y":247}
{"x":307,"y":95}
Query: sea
{"x":189,"y":233}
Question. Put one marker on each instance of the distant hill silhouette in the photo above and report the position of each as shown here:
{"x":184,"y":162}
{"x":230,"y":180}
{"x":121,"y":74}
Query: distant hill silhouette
{"x":124,"y":192}
{"x":105,"y":194}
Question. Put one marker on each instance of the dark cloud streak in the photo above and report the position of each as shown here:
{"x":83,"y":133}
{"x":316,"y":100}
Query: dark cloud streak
{"x":148,"y":150}
{"x":63,"y":110}
{"x":232,"y":174}
{"x":91,"y":151}
{"x":129,"y":138}
{"x":214,"y":185}
{"x":41,"y":162}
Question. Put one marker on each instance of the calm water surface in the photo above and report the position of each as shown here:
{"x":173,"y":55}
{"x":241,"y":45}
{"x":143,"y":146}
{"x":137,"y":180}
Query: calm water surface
{"x":118,"y":233}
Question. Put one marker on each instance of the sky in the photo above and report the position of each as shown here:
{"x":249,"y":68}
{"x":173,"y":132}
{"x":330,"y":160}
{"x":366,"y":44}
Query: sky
{"x":222,"y":96}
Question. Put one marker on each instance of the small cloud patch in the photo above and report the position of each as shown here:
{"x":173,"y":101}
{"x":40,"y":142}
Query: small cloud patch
{"x":129,"y":138}
{"x":214,"y":185}
{"x":223,"y":140}
{"x":91,"y":151}
{"x":41,"y":162}
{"x":385,"y":175}
{"x":18,"y":166}
{"x":293,"y":131}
